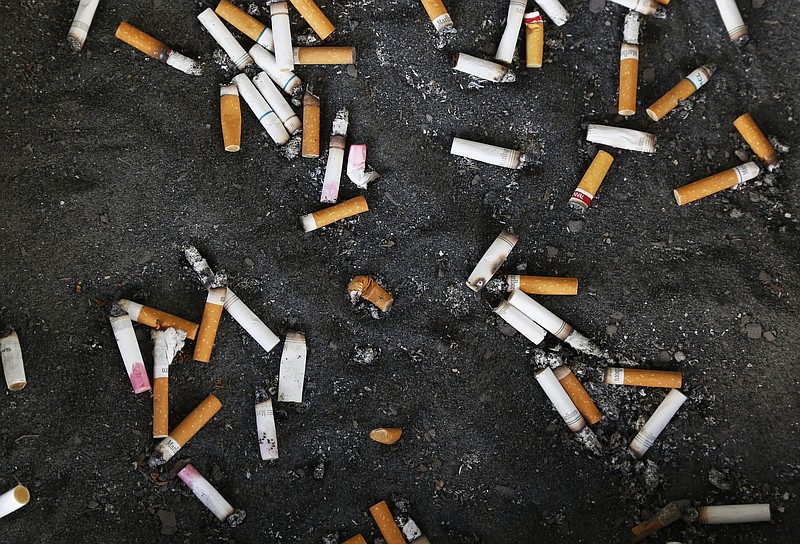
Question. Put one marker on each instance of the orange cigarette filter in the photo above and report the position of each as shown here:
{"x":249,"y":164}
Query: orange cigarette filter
{"x":578,"y":394}
{"x":241,"y":20}
{"x":759,"y":143}
{"x":160,"y":407}
{"x":438,"y":14}
{"x":325,"y":54}
{"x":644,"y":378}
{"x":383,"y":518}
{"x":628,"y":78}
{"x":358,"y":539}
{"x":143,"y":42}
{"x":670,"y":513}
{"x":534,"y":40}
{"x":310,"y":125}
{"x":314,"y":17}
{"x":329,"y":215}
{"x":369,"y":289}
{"x":195,"y":421}
{"x":387,"y":436}
{"x":716,"y":183}
{"x":591,"y":180}
{"x":542,"y":285}
{"x":230,"y":111}
{"x":664,"y":2}
{"x":209,"y":325}
{"x":680,"y":92}
{"x":157,"y":319}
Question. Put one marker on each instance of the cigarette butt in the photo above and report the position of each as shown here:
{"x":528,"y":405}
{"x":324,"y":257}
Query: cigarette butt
{"x":591,"y":181}
{"x":732,"y":19}
{"x":293,"y":368}
{"x":508,"y":42}
{"x":142,"y":41}
{"x":258,"y":105}
{"x":560,"y":399}
{"x":343,"y":210}
{"x":386,"y":436}
{"x":733,"y":513}
{"x":311,"y":116}
{"x":324,"y":55}
{"x":333,"y":168}
{"x":541,"y":315}
{"x":358,"y":539}
{"x":250,"y":322}
{"x":287,"y":80}
{"x":483,"y":69}
{"x":663,"y":2}
{"x":522,"y":323}
{"x":157,"y":319}
{"x":437,"y":14}
{"x":225,"y":39}
{"x":492,"y":260}
{"x":187,"y":428}
{"x":628,"y":78}
{"x":386,"y":524}
{"x":580,"y":397}
{"x":277,"y":102}
{"x":230,"y":111}
{"x":622,"y":138}
{"x":357,"y":166}
{"x":534,"y":40}
{"x":246,"y":24}
{"x":645,"y":7}
{"x":716,"y":183}
{"x":542,"y":285}
{"x":642,"y":377}
{"x":13,"y":366}
{"x":314,"y":17}
{"x":670,"y":513}
{"x":209,"y":324}
{"x":555,"y":11}
{"x":654,"y":426}
{"x":281,"y":35}
{"x":749,"y":130}
{"x":14,"y":499}
{"x":206,"y":492}
{"x":166,"y":344}
{"x":160,"y":407}
{"x":680,"y":92}
{"x":265,"y":427}
{"x":368,"y":289}
{"x":490,"y":154}
{"x":81,"y":23}
{"x":131,"y":354}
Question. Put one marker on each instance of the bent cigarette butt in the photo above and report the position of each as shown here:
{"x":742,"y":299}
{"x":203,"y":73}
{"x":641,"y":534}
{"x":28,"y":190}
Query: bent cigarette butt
{"x":357,"y":166}
{"x":250,"y":322}
{"x":680,"y":92}
{"x":166,"y":344}
{"x":13,"y":366}
{"x":670,"y":513}
{"x":358,"y":539}
{"x":246,"y":24}
{"x":534,"y":40}
{"x":225,"y":39}
{"x":286,"y":80}
{"x":648,"y":434}
{"x":265,"y":428}
{"x":324,"y":55}
{"x":387,"y":436}
{"x":348,"y":208}
{"x":759,"y":143}
{"x":293,"y":368}
{"x":333,"y":168}
{"x":508,"y":42}
{"x":81,"y":23}
{"x":716,"y":183}
{"x":277,"y":102}
{"x":541,"y":315}
{"x":156,"y":49}
{"x":645,"y":7}
{"x":642,"y":377}
{"x":482,"y":69}
{"x":542,"y":285}
{"x":368,"y":289}
{"x":733,"y":513}
{"x":185,"y":430}
{"x":492,"y":260}
{"x":14,"y":499}
{"x":732,"y":19}
{"x":314,"y":17}
{"x":212,"y":312}
{"x":591,"y":181}
{"x":521,"y":322}
{"x":622,"y":138}
{"x":258,"y":105}
{"x":555,"y":11}
{"x":490,"y":154}
{"x":311,"y":131}
{"x":628,"y":78}
{"x":437,"y":14}
{"x":561,"y":401}
{"x":281,"y":35}
{"x":386,"y":524}
{"x":580,"y":397}
{"x":206,"y":492}
{"x":157,"y":319}
{"x":230,"y":112}
{"x":131,"y":354}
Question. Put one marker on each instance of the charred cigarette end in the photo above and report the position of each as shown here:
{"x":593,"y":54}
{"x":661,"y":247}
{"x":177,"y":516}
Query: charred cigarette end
{"x":733,"y":513}
{"x":489,"y":154}
{"x":311,"y":122}
{"x":534,"y":40}
{"x":656,"y":424}
{"x":324,"y":55}
{"x":357,"y":169}
{"x":206,"y":492}
{"x":265,"y":427}
{"x":156,"y":319}
{"x":14,"y":499}
{"x":368,"y":289}
{"x":200,"y":266}
{"x":508,"y":42}
{"x":579,"y":342}
{"x":642,"y":377}
{"x":358,"y":539}
{"x":131,"y":355}
{"x":591,"y":181}
{"x":231,"y":117}
{"x":622,"y":138}
{"x":630,"y":31}
{"x":541,"y":315}
{"x":522,"y":323}
{"x":348,"y":208}
{"x":277,"y":103}
{"x":333,"y":168}
{"x":81,"y":23}
{"x":732,"y":19}
{"x":555,"y":11}
{"x":482,"y":69}
{"x":225,"y":39}
{"x":386,"y":524}
{"x":250,"y":322}
{"x":293,"y":368}
{"x":209,"y":324}
{"x":560,"y":400}
{"x":185,"y":430}
{"x":246,"y":24}
{"x":386,"y":436}
{"x":492,"y":260}
{"x":580,"y":397}
{"x":542,"y":285}
{"x":314,"y":17}
{"x":437,"y":14}
{"x":670,"y":513}
{"x":645,"y":7}
{"x":261,"y":109}
{"x":716,"y":183}
{"x":681,"y":92}
{"x":759,"y":143}
{"x":281,"y":35}
{"x":13,"y":366}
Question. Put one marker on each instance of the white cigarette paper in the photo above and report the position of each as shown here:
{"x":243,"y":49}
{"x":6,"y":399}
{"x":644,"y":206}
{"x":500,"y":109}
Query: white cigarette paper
{"x":630,"y":32}
{"x":508,"y":43}
{"x":522,"y":323}
{"x":79,"y":28}
{"x":483,"y":69}
{"x":14,"y":499}
{"x":206,"y":492}
{"x":622,"y":138}
{"x":293,"y":368}
{"x":166,"y":345}
{"x":733,"y":513}
{"x":250,"y":322}
{"x":131,"y":355}
{"x":266,"y":116}
{"x":286,"y":80}
{"x":333,"y":168}
{"x":184,"y":64}
{"x":656,"y":424}
{"x":225,"y":39}
{"x":732,"y":19}
{"x":541,"y":315}
{"x":561,"y":401}
{"x":13,"y":366}
{"x":267,"y":434}
{"x":357,"y":166}
{"x":282,"y":35}
{"x":555,"y":11}
{"x":278,"y":103}
{"x":492,"y":259}
{"x":490,"y":154}
{"x":645,"y":7}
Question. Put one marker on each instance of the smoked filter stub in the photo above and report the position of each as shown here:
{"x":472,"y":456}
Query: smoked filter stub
{"x":386,"y":435}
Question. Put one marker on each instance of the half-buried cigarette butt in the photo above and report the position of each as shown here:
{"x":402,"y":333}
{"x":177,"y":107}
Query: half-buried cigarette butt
{"x":508,"y":42}
{"x":293,"y":368}
{"x":655,"y":425}
{"x":81,"y":23}
{"x":166,"y":344}
{"x":521,"y":322}
{"x":258,"y":105}
{"x":129,"y":349}
{"x":206,"y":492}
{"x":591,"y":181}
{"x":628,"y":78}
{"x":732,"y":19}
{"x":578,"y":394}
{"x":386,"y":524}
{"x":246,"y":24}
{"x":645,"y":7}
{"x":13,"y":366}
{"x":671,"y":512}
{"x":282,"y":35}
{"x":622,"y":138}
{"x":357,"y":169}
{"x":680,"y":92}
{"x":287,"y":80}
{"x":331,"y":54}
{"x":542,"y":285}
{"x":733,"y":513}
{"x":185,"y":430}
{"x":358,"y":539}
{"x":553,"y":8}
{"x":438,"y":14}
{"x":278,"y":103}
{"x":157,"y":49}
{"x":534,"y":40}
{"x":642,"y":377}
{"x":230,"y":112}
{"x":265,"y":427}
{"x":157,"y":319}
{"x":492,"y":260}
{"x":716,"y":183}
{"x":14,"y":499}
{"x":561,"y":401}
{"x":388,"y":435}
{"x":490,"y":154}
{"x":225,"y":39}
{"x":368,"y":289}
{"x":209,"y":324}
{"x":311,"y":116}
{"x":762,"y":147}
{"x":314,"y":17}
{"x":541,"y":315}
{"x":482,"y":69}
{"x":348,"y":208}
{"x":250,"y":322}
{"x":333,"y":168}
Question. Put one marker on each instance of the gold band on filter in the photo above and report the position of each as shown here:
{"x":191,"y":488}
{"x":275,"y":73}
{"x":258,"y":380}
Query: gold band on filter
{"x":311,"y":123}
{"x":543,"y":285}
{"x":716,"y":183}
{"x":643,"y":377}
{"x":160,"y":407}
{"x":209,"y":325}
{"x":340,"y":211}
{"x":386,"y":524}
{"x":230,"y":110}
{"x":241,"y":20}
{"x":371,"y":291}
{"x":628,"y":78}
{"x":195,"y":421}
{"x":759,"y":143}
{"x":325,"y":54}
{"x":143,"y":42}
{"x":438,"y":14}
{"x":578,"y":394}
{"x":314,"y":17}
{"x":534,"y":40}
{"x":591,"y":180}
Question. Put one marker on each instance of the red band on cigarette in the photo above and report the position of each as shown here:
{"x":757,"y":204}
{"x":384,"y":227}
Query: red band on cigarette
{"x":582,"y":196}
{"x":533,"y":19}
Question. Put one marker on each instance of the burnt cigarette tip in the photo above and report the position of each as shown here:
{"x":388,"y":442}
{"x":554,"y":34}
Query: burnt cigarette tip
{"x":237,"y":517}
{"x":261,"y":395}
{"x":454,"y":60}
{"x":116,"y":310}
{"x":192,"y":254}
{"x":155,"y":460}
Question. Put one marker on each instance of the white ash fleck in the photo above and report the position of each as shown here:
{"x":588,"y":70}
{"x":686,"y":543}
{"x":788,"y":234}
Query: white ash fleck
{"x":253,"y":9}
{"x":543,"y":359}
{"x":332,"y":538}
{"x":291,"y":150}
{"x":221,"y":59}
{"x":589,"y":440}
{"x":458,"y":301}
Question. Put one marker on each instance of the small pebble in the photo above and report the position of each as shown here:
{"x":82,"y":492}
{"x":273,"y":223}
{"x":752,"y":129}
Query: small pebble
{"x":649,"y":75}
{"x":680,"y":356}
{"x":596,"y":6}
{"x":769,"y":336}
{"x":575,"y":225}
{"x":753,"y":330}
